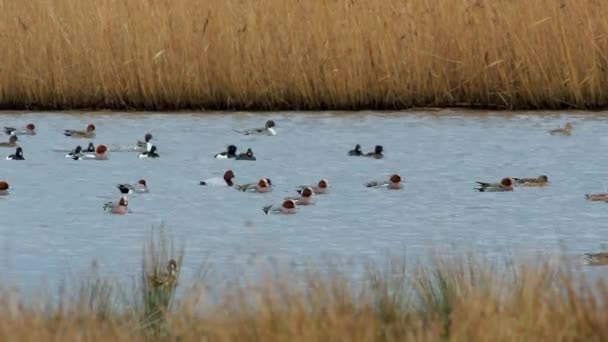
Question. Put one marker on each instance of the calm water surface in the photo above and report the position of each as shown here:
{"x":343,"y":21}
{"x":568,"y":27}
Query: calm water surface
{"x":53,"y":224}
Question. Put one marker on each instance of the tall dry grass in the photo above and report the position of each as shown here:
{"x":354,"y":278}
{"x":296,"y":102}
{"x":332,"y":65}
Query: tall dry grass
{"x":295,"y":54}
{"x":449,"y":299}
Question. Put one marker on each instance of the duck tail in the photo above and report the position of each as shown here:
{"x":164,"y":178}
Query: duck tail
{"x":266,"y":209}
{"x":67,"y":133}
{"x":202,"y":183}
{"x":241,"y":132}
{"x":587,"y":196}
{"x":480,"y":189}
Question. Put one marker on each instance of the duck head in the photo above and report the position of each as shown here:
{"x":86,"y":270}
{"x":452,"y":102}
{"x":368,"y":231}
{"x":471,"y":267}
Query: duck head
{"x":13,"y":139}
{"x":269,"y":124}
{"x":3,"y":186}
{"x":358,"y":148}
{"x":19,"y":152}
{"x":506,"y":182}
{"x":231,"y":149}
{"x":172,"y":267}
{"x":395,"y":178}
{"x":148,"y":137}
{"x":228,"y":176}
{"x":101,"y":149}
{"x":123,"y":202}
{"x":249,"y":153}
{"x":289,"y":204}
{"x":268,"y":181}
{"x":30,"y":126}
{"x":91,"y":128}
{"x":378,"y":149}
{"x":263,"y":183}
{"x":91,"y":147}
{"x":307,"y":192}
{"x":78,"y":149}
{"x":543,"y":178}
{"x":323,"y":184}
{"x":142,"y":182}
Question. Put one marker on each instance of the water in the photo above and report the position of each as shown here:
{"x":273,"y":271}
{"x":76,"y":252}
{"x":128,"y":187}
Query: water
{"x":53,"y":224}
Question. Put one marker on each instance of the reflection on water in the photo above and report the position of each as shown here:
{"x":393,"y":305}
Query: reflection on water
{"x":53,"y":224}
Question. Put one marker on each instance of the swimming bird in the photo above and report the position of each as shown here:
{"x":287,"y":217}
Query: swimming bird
{"x":29,"y":129}
{"x":263,"y":185}
{"x":305,"y":198}
{"x":505,"y":185}
{"x":377,"y":154}
{"x":140,"y":187}
{"x":392,"y":183}
{"x":538,"y":181}
{"x":149,"y":154}
{"x":320,"y":188}
{"x":356,"y":151}
{"x":75,"y":153}
{"x":596,"y":259}
{"x":89,"y":133}
{"x":601,"y":196}
{"x":4,"y":188}
{"x":17,"y":156}
{"x":225,"y":181}
{"x":101,"y":153}
{"x":246,"y":156}
{"x":120,"y":207}
{"x":145,"y":145}
{"x":90,"y":148}
{"x":228,"y":154}
{"x":287,"y":207}
{"x":268,"y":129}
{"x":12,"y":142}
{"x":567,"y":130}
{"x":165,"y":279}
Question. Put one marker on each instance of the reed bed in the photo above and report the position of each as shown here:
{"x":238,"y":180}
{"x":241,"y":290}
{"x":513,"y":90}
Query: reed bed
{"x":461,"y":299}
{"x":303,"y":55}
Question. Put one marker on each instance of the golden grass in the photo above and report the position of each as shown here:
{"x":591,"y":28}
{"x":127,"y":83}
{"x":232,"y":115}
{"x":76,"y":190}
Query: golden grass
{"x":295,"y":54}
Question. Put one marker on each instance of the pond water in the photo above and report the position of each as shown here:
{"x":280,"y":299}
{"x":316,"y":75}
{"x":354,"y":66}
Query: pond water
{"x":53,"y":224}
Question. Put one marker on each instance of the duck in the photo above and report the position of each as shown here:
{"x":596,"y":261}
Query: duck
{"x":246,"y":156}
{"x":12,"y":142}
{"x":225,"y":181}
{"x":101,"y":153}
{"x":149,"y":154}
{"x":356,"y":151}
{"x":392,"y":183}
{"x":17,"y":156}
{"x":120,"y":207}
{"x":377,"y":154}
{"x":567,"y":130}
{"x":164,"y":279}
{"x":287,"y":207}
{"x":228,"y":154}
{"x":305,"y":198}
{"x":262,"y":186}
{"x":75,"y":153}
{"x":145,"y":145}
{"x":4,"y":188}
{"x":90,"y":148}
{"x":596,"y":259}
{"x":600,"y":196}
{"x":29,"y":129}
{"x":506,"y":184}
{"x":89,"y":133}
{"x":267,"y":130}
{"x":140,"y":187}
{"x":320,"y":188}
{"x":541,"y":180}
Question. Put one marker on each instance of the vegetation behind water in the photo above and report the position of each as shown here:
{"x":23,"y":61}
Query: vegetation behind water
{"x":462,"y":299}
{"x":290,"y":54}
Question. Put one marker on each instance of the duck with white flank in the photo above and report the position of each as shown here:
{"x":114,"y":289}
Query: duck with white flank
{"x":262,"y":186}
{"x":268,"y":129}
{"x":287,"y":207}
{"x":88,"y":133}
{"x":228,"y":154}
{"x":29,"y":129}
{"x":12,"y":142}
{"x":246,"y":156}
{"x":140,"y":187}
{"x":506,"y":184}
{"x":225,"y":181}
{"x":146,"y":145}
{"x":356,"y":151}
{"x":392,"y":183}
{"x":320,"y":188}
{"x":149,"y":154}
{"x":17,"y":156}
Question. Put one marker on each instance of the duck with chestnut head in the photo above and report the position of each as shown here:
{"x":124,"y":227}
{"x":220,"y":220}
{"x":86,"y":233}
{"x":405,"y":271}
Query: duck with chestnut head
{"x":119,"y":208}
{"x":101,"y":153}
{"x":4,"y":186}
{"x":141,"y":187}
{"x":305,"y":198}
{"x":29,"y":129}
{"x":322,"y":187}
{"x":88,"y":133}
{"x":288,"y":206}
{"x":506,"y":184}
{"x":227,"y":180}
{"x":262,"y":186}
{"x":394,"y":182}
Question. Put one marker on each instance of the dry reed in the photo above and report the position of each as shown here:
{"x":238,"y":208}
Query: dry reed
{"x":293,"y":54}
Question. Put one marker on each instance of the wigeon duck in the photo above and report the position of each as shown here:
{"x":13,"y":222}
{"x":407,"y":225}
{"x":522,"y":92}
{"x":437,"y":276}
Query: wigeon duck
{"x":267,"y":130}
{"x":152,"y":153}
{"x":246,"y":156}
{"x":538,"y":181}
{"x":306,"y":197}
{"x":120,"y":207}
{"x":377,"y":154}
{"x":596,"y":259}
{"x":101,"y":153}
{"x":263,"y":185}
{"x":225,"y":181}
{"x":146,"y":144}
{"x":3,"y":188}
{"x":89,"y":133}
{"x":165,"y":279}
{"x":356,"y":151}
{"x":601,"y":196}
{"x":505,"y":185}
{"x":393,"y":183}
{"x":320,"y":188}
{"x":140,"y":187}
{"x":12,"y":142}
{"x":567,"y":130}
{"x":17,"y":156}
{"x":228,"y":154}
{"x":287,"y":207}
{"x":29,"y":129}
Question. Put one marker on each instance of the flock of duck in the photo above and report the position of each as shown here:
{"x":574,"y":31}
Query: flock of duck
{"x":289,"y":205}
